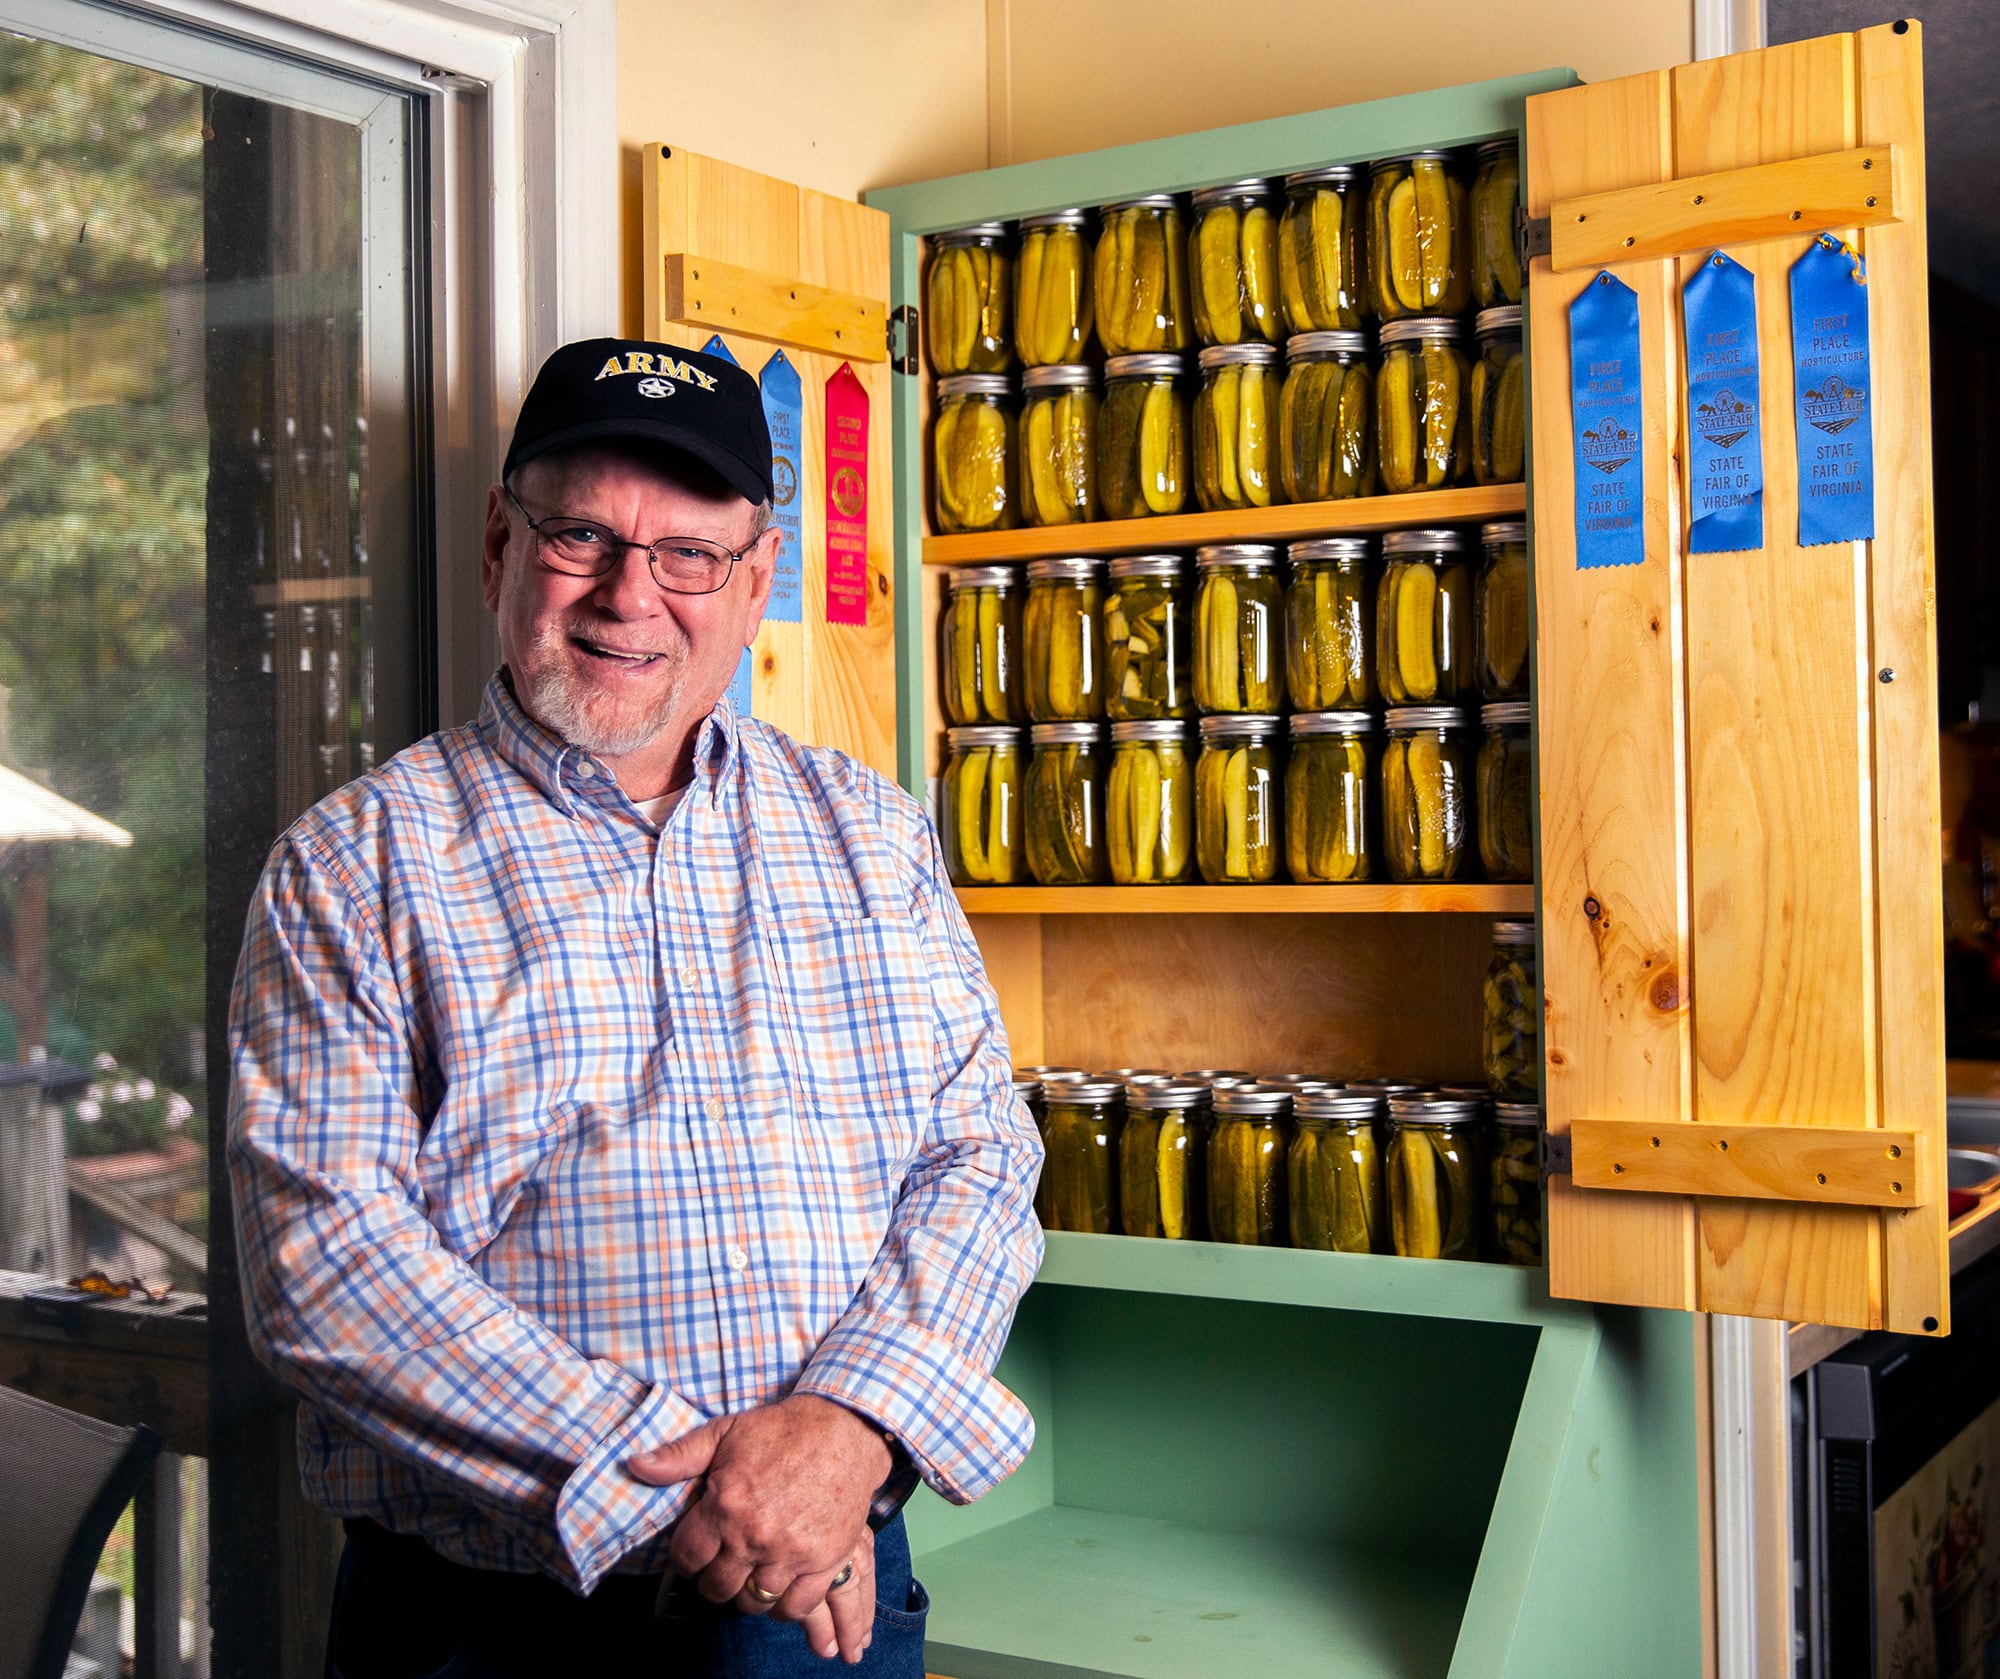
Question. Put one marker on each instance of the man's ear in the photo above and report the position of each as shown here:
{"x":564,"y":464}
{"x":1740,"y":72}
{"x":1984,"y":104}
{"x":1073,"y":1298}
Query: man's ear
{"x":493,"y":547}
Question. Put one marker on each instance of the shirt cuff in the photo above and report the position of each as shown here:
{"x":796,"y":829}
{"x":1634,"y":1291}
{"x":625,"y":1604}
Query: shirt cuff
{"x":963,"y":1431}
{"x":604,"y":1511}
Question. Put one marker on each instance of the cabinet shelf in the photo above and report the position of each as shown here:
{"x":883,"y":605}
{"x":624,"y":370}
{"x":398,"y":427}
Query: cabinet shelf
{"x":1250,"y":524}
{"x":1245,"y":900}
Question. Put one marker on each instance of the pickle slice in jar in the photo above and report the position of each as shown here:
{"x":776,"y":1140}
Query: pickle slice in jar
{"x":1416,"y":596}
{"x":1221,"y":645}
{"x":1145,"y":797}
{"x":992,"y":658}
{"x":1437,"y":220}
{"x":1002,"y":842}
{"x":1160,"y":451}
{"x":1253,"y":453}
{"x":1260,"y":265}
{"x":1405,"y":253}
{"x":1330,"y":248}
{"x":1396,"y":421}
{"x":1145,"y":324}
{"x":1429,"y":796}
{"x":1443,"y":398}
{"x":1217,"y":245}
{"x":1419,"y":1228}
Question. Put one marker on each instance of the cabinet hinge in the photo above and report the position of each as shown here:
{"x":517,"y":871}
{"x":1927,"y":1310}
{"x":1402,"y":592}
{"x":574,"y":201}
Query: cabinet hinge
{"x":903,"y":319}
{"x":1533,"y":235}
{"x":1555,"y":1155}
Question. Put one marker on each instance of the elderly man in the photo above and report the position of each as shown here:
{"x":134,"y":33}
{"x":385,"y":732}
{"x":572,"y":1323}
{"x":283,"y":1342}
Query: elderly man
{"x":627,"y":1172}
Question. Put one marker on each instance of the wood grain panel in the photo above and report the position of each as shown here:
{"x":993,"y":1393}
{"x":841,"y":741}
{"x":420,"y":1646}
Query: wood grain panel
{"x":1012,"y":948}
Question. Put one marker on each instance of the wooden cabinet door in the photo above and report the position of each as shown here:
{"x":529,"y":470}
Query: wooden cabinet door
{"x":1742,"y":933}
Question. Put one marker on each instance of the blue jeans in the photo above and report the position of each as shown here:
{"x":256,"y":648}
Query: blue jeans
{"x":400,"y":1611}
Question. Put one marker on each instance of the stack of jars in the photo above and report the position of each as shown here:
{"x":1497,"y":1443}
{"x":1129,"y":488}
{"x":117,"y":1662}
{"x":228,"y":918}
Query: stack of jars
{"x":1217,"y":354}
{"x":1154,"y":720}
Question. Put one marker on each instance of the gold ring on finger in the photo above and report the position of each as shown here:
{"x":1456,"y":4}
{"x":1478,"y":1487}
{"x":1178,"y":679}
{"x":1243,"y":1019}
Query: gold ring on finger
{"x":760,"y":1594}
{"x":846,"y":1574}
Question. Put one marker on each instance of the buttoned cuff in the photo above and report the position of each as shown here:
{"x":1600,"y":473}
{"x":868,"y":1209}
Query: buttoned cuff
{"x":604,"y":1511}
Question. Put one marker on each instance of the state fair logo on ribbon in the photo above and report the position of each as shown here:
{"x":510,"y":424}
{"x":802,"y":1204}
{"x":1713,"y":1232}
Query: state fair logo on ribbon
{"x":1835,"y":406}
{"x":1610,"y":448}
{"x":1726,"y":421}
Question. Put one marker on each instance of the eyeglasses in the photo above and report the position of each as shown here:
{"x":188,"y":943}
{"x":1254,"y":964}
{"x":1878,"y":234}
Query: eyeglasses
{"x":682,"y":565}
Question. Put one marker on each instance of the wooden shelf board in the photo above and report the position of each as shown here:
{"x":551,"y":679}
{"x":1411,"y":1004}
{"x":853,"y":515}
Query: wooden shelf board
{"x":1468,"y":1290}
{"x":1245,"y":900}
{"x":1249,"y":524}
{"x":1069,"y":1593}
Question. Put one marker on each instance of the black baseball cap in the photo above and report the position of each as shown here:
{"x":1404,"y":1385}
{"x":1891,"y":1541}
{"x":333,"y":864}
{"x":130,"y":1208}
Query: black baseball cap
{"x":599,"y":388}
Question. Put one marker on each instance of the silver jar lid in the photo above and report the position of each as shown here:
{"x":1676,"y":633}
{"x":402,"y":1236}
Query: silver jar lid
{"x":1296,"y":1082}
{"x":1303,"y":346}
{"x":1335,"y":174}
{"x":1424,"y":1110}
{"x":1424,"y":717}
{"x":1149,"y":364}
{"x":1417,"y":543}
{"x":968,"y":235}
{"x":1517,"y":1113}
{"x":1026,"y":1088}
{"x":1309,"y":723}
{"x":1248,"y":555}
{"x":1238,"y":355}
{"x":1065,"y":376}
{"x":1172,"y":729}
{"x":980,"y":577}
{"x":976,"y":384}
{"x":1051,"y":1075}
{"x":1166,"y":1093}
{"x":1146,"y":565}
{"x":1505,"y":713}
{"x":1134,"y":1075}
{"x":1056,"y":218}
{"x":1240,"y":725}
{"x":1218,"y":1078}
{"x":1328,"y":548}
{"x":1504,"y":530}
{"x":1382,"y":163}
{"x":1494,"y":148}
{"x":1089,"y":1091}
{"x":1145,"y":201}
{"x":1070,"y":569}
{"x":996,"y":736}
{"x":1383,"y":1087}
{"x":1258,"y":1100}
{"x":1075,"y":733}
{"x":1423,"y":327}
{"x":1340,"y":1102}
{"x":1255,"y":187}
{"x":1513,"y":932}
{"x":1502,"y":317}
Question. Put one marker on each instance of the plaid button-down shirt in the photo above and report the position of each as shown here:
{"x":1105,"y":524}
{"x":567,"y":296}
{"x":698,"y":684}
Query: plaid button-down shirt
{"x":554,"y":1134}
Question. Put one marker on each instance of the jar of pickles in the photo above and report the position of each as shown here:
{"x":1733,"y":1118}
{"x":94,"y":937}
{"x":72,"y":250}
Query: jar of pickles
{"x":1233,"y":264}
{"x":1500,"y":612}
{"x":1426,"y":794}
{"x":1334,"y":1173}
{"x":972,"y":454}
{"x":1496,"y":204}
{"x":1140,"y":278}
{"x":1423,"y":619}
{"x":1061,"y":631}
{"x":1506,"y":793}
{"x":1235,"y":462}
{"x":1041,"y":1078}
{"x":1512,"y":1010}
{"x":1499,"y":398}
{"x":1236,"y":800}
{"x":1247,"y":1150}
{"x":1516,"y":1183}
{"x":1423,"y":406}
{"x":981,"y":807}
{"x":979,"y":645}
{"x":1079,"y":1184}
{"x":1238,"y":608}
{"x":1437,"y":1177}
{"x":1327,"y":828}
{"x":1146,"y":640}
{"x":1142,"y":438}
{"x":1329,"y":613}
{"x":1052,"y":305}
{"x":969,"y":303}
{"x":1322,"y":250}
{"x":1058,"y":445}
{"x":1419,"y":246}
{"x":1326,"y":418}
{"x":1065,"y":815}
{"x":1163,"y":1160}
{"x":1149,"y":804}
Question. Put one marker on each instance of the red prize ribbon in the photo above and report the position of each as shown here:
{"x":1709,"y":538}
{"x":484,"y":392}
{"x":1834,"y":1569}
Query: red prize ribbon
{"x":846,"y":498}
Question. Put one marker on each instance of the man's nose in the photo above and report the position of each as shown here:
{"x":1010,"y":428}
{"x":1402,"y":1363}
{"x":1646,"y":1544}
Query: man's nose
{"x":628,"y":589}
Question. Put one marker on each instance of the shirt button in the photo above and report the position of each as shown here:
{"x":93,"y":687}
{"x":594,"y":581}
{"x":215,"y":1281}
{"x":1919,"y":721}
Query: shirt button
{"x":585,"y":768}
{"x":690,"y":975}
{"x":713,"y":1107}
{"x":738,"y":1260}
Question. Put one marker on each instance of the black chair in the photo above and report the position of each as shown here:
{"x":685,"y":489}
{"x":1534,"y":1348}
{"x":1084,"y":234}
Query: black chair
{"x":64,"y":1480}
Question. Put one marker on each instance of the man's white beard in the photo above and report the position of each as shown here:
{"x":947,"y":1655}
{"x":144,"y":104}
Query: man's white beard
{"x":560,"y":698}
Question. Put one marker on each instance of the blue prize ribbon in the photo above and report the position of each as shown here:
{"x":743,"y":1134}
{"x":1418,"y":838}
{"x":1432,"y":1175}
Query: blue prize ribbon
{"x":784,"y":413}
{"x":1833,"y":390}
{"x":1724,"y":405}
{"x":716,"y":347}
{"x":1608,"y":424}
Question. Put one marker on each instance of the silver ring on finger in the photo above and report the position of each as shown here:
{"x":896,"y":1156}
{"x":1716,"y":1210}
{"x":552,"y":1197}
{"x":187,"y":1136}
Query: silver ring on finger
{"x":843,"y":1577}
{"x":760,"y":1594}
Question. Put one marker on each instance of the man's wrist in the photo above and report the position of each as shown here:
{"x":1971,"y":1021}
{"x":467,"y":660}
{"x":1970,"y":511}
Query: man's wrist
{"x":875,"y":1431}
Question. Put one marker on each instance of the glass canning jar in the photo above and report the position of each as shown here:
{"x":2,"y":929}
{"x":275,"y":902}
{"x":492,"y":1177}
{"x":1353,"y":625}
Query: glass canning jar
{"x":1233,"y":264}
{"x":1235,"y":431}
{"x":1517,"y":1183}
{"x":969,"y":301}
{"x":1079,"y":1183}
{"x":979,"y":645}
{"x":1142,"y":438}
{"x":1328,"y":830}
{"x":1499,"y":398}
{"x":1423,"y":406}
{"x":1236,"y":800}
{"x":1329,"y":619}
{"x":1511,"y":1004}
{"x":1496,"y":202}
{"x":1419,"y":241}
{"x":1057,"y":446}
{"x":1323,"y":250}
{"x":1505,"y":798}
{"x":1426,"y":793}
{"x":972,"y":454}
{"x":1062,"y":656}
{"x":983,"y":840}
{"x":1239,"y":608}
{"x":1500,"y":611}
{"x":1326,"y":418}
{"x":1423,"y":619}
{"x":1065,"y":816}
{"x":1247,"y":1149}
{"x":1146,"y":653}
{"x":1437,"y":1177}
{"x":1042,"y":1078}
{"x":1334,"y":1172}
{"x":1162,"y":1160}
{"x":1140,"y":279}
{"x":1052,"y":305}
{"x":1149,"y":804}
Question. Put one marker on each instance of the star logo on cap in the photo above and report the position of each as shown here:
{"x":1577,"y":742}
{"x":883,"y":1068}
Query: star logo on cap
{"x":655,"y":387}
